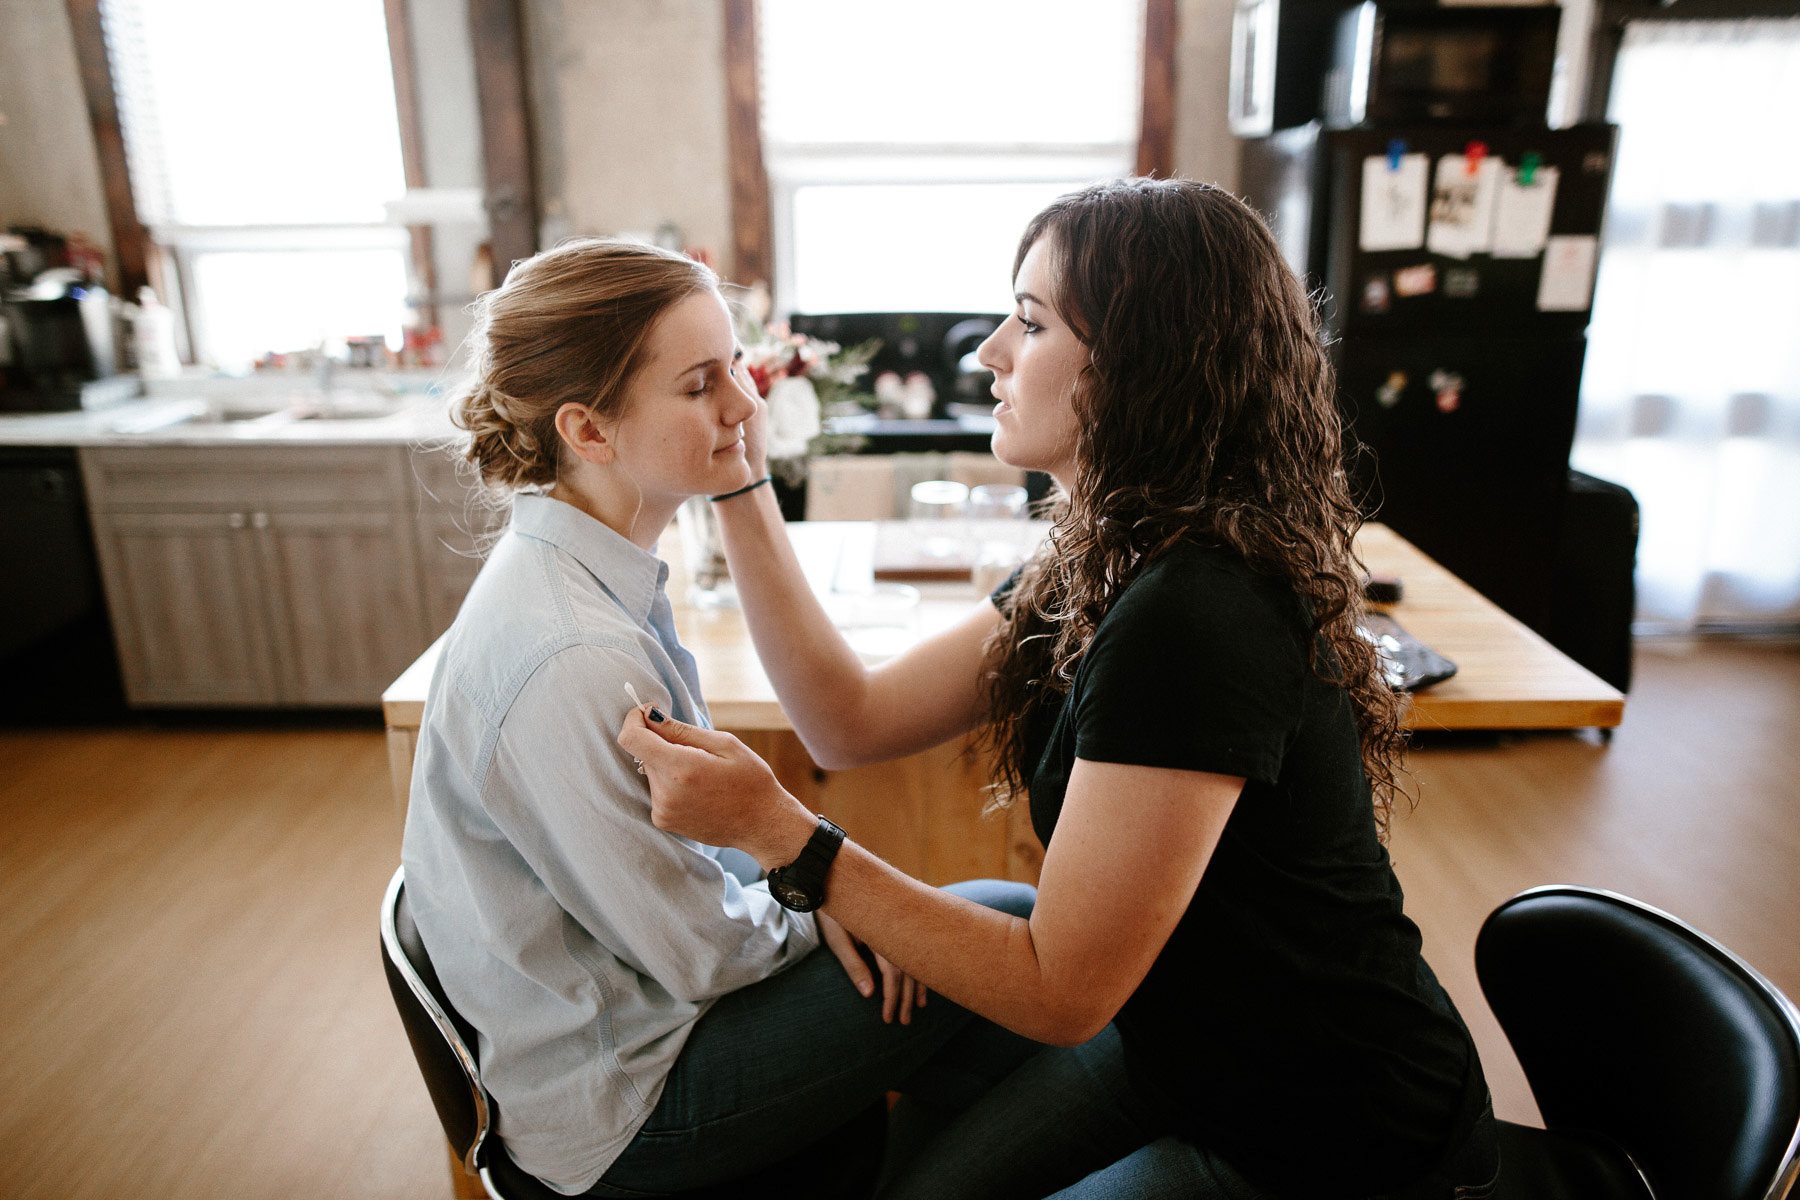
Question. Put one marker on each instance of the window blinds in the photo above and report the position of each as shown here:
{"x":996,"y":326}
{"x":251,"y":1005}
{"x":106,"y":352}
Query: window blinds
{"x":247,"y":114}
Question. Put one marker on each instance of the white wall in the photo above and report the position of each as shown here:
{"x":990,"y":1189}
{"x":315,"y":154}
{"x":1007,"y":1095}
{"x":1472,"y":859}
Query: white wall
{"x":49,"y":172}
{"x":1204,"y":147}
{"x":628,"y":110}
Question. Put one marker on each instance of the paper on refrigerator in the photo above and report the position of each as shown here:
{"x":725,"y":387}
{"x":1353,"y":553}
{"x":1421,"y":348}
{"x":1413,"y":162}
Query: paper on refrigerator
{"x":1462,"y":206}
{"x":1393,"y":202}
{"x":1522,"y":214}
{"x":1567,"y":284}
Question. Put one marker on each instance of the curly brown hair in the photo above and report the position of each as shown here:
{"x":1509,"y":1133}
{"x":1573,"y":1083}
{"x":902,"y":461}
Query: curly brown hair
{"x":1205,"y":415}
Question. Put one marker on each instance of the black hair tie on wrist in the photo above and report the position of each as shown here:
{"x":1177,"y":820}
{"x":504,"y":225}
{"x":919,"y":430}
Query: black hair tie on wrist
{"x":748,"y":487}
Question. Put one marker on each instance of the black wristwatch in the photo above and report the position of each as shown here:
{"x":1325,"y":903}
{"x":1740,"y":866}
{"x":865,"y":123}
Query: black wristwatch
{"x":801,"y":884}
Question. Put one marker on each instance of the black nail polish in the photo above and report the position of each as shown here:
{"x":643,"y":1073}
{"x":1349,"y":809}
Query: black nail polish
{"x":656,"y":714}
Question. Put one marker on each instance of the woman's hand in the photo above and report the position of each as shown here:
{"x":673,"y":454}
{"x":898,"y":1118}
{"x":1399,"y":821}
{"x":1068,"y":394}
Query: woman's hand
{"x":756,"y":429}
{"x":900,"y":992}
{"x":709,"y":786}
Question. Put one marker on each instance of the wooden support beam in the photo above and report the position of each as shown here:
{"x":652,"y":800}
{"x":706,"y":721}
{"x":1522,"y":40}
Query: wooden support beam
{"x":752,"y":222}
{"x":1156,"y":130}
{"x":497,"y":32}
{"x":130,"y":240}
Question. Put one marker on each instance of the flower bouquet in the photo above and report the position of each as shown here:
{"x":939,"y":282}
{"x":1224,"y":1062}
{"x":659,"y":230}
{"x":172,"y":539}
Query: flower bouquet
{"x":805,"y":380}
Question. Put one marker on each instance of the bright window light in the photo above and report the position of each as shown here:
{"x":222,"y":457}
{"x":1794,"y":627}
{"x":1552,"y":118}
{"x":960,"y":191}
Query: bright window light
{"x":257,"y":114}
{"x":263,"y":141}
{"x":302,"y":298}
{"x":948,"y":72}
{"x":905,"y":162}
{"x":911,"y":248}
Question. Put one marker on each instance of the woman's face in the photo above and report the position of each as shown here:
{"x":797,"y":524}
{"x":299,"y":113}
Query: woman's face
{"x":1036,"y":359}
{"x":682,"y":433}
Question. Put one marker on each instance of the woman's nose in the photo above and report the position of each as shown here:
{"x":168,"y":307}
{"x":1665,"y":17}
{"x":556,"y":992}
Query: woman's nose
{"x":989,"y":354}
{"x":742,"y":400}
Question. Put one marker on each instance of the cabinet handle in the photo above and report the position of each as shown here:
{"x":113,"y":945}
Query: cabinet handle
{"x":260,"y":520}
{"x":235,"y":520}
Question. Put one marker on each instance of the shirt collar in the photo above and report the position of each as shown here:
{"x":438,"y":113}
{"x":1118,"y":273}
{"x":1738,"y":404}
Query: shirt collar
{"x":632,"y":574}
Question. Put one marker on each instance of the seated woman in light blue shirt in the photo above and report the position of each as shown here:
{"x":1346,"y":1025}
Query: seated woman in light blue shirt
{"x":648,"y":1021}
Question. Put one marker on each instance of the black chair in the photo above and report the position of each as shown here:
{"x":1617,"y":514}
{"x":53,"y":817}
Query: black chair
{"x":841,"y":1166}
{"x":1664,"y":1065}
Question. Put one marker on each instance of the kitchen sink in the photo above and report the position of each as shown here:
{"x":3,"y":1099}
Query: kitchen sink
{"x":266,"y":411}
{"x":291,"y":413}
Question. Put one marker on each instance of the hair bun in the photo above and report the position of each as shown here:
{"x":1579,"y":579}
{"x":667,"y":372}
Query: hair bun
{"x":504,"y":451}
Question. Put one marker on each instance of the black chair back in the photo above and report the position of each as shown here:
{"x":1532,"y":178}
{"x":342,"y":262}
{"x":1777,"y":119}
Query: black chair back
{"x":442,"y":1042}
{"x":1633,"y":1025}
{"x":839,"y":1167}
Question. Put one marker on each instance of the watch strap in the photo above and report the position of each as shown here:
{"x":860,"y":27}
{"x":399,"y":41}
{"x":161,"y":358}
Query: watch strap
{"x":801,"y":884}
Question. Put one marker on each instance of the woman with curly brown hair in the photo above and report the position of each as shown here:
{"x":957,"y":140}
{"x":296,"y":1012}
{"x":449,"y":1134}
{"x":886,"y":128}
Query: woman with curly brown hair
{"x":1176,"y":686}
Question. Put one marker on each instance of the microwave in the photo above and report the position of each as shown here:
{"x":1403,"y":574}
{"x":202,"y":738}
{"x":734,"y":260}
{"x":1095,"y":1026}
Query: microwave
{"x":1395,"y":64}
{"x":1280,"y":51}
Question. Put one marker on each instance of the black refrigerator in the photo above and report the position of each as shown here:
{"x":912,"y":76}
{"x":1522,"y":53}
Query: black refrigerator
{"x":1456,"y":266}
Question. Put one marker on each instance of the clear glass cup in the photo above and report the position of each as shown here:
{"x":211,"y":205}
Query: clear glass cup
{"x":940,"y":506}
{"x":997,"y":502}
{"x":939,"y":499}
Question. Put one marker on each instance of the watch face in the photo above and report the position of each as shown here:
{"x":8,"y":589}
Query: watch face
{"x":789,"y":895}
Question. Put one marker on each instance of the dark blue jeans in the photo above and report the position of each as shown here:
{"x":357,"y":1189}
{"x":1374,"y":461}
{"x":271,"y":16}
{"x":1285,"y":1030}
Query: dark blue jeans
{"x":775,"y":1066}
{"x":1069,"y":1124}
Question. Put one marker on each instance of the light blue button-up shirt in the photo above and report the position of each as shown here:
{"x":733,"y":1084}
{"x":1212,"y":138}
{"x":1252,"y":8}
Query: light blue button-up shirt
{"x":579,"y":940}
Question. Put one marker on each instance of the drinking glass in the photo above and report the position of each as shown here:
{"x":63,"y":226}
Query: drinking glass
{"x":997,"y":502}
{"x":939,"y":506}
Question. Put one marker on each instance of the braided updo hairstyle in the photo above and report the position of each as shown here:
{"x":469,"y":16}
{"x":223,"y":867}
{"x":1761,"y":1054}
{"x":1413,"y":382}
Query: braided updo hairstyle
{"x":569,"y":325}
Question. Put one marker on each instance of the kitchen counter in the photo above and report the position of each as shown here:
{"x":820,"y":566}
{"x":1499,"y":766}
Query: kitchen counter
{"x":361,"y":409}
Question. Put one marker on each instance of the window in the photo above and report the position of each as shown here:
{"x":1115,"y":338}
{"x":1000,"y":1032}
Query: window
{"x":263,"y":141}
{"x":1691,"y":394}
{"x":907,"y":145}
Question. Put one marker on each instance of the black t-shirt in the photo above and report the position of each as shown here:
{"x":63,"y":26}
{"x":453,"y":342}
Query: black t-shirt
{"x":1290,"y":1022}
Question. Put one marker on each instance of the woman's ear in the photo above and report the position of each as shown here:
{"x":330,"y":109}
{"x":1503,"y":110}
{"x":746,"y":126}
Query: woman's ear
{"x":580,"y":430}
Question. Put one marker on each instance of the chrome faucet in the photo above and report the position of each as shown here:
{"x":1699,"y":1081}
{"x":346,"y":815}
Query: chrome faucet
{"x":327,"y":368}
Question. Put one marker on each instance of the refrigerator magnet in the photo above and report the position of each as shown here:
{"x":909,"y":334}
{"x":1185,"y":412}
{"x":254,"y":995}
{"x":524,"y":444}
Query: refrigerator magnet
{"x":1461,"y":282}
{"x":1415,"y":281}
{"x":1375,"y":294}
{"x":1389,"y":393}
{"x":1448,"y":387}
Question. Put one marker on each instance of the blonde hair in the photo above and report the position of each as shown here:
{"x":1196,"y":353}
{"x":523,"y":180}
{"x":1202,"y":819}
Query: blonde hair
{"x":569,"y":325}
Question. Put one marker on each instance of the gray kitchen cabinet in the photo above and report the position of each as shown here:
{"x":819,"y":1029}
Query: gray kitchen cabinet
{"x":263,"y":575}
{"x":187,"y":612}
{"x":456,"y":523}
{"x":343,"y":590}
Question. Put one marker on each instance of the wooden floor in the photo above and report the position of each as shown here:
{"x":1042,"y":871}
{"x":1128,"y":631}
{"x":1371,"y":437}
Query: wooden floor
{"x":193,"y":999}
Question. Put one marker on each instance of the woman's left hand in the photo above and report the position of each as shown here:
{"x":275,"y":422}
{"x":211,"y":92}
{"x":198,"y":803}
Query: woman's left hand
{"x":709,"y":786}
{"x":900,"y":992}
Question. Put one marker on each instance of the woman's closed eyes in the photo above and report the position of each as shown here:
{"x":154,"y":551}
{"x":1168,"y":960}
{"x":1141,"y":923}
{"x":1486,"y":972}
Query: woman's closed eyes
{"x":707,"y":380}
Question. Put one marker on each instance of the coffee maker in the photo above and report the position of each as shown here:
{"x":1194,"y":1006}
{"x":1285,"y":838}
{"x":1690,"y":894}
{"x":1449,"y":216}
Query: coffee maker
{"x":56,"y":327}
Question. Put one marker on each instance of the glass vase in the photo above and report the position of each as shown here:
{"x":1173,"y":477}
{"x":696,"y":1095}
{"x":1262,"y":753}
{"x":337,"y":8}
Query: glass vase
{"x":703,"y":552}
